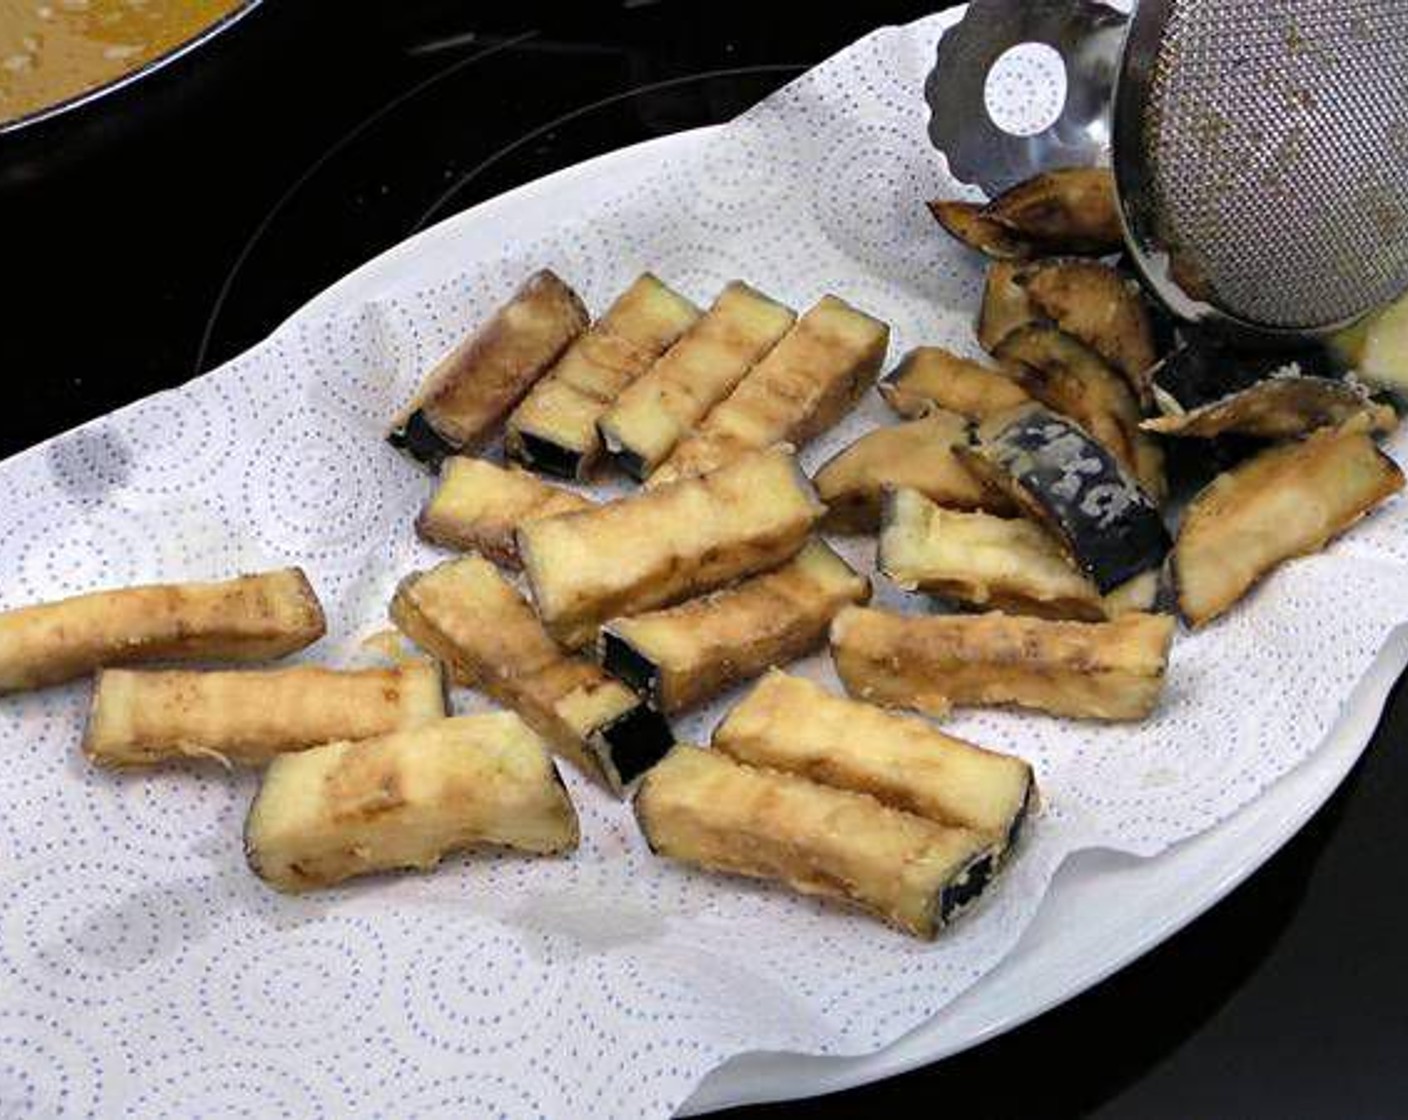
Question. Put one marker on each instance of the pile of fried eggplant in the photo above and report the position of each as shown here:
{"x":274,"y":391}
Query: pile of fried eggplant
{"x":713,"y":572}
{"x":1054,"y":497}
{"x":1287,"y":434}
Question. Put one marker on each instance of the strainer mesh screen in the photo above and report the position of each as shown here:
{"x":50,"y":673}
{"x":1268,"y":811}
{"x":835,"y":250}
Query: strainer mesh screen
{"x":1277,"y":141}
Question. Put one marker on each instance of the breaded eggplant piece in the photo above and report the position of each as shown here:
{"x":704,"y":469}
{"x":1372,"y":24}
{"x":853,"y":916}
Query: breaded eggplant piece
{"x":666,"y":544}
{"x":1194,"y":372}
{"x":1070,"y":378}
{"x":1005,"y":307}
{"x":1088,"y":670}
{"x":468,"y":392}
{"x":470,"y":617}
{"x":554,"y":430}
{"x":1279,"y":408}
{"x":917,"y":454}
{"x":1068,"y":481}
{"x":701,"y":807}
{"x":1092,"y":302}
{"x":1070,"y":210}
{"x":930,"y":375}
{"x":665,"y":403}
{"x":250,"y":618}
{"x":998,"y":563}
{"x":681,"y":656}
{"x":806,"y":383}
{"x":478,"y":507}
{"x":142,"y":717}
{"x":1203,"y":369}
{"x":966,"y":222}
{"x":1285,"y":502}
{"x":406,"y":800}
{"x":793,"y":724}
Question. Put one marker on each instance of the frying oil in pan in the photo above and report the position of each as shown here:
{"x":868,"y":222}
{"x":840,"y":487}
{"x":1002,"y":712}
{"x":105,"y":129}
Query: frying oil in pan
{"x":51,"y":50}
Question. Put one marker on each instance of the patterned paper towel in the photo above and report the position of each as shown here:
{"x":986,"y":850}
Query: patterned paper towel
{"x":144,"y":972}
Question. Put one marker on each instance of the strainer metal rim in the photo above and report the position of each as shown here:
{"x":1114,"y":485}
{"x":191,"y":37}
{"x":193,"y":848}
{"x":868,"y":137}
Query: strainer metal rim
{"x":1135,"y":193}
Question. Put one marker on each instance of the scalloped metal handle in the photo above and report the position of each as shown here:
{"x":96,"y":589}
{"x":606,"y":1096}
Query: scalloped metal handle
{"x":1086,"y":35}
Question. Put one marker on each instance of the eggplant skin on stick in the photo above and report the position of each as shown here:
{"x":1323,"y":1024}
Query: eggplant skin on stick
{"x":1086,"y":670}
{"x":405,"y":800}
{"x":465,"y":613}
{"x":998,"y":563}
{"x":251,"y":618}
{"x":1203,"y":370}
{"x":140,"y":717}
{"x":793,"y":724}
{"x":683,"y":655}
{"x":469,"y":392}
{"x":1062,"y":477}
{"x":665,"y":403}
{"x":702,"y":808}
{"x":1280,"y":408}
{"x":666,"y":544}
{"x":1072,"y":379}
{"x":1288,"y":501}
{"x":554,"y":429}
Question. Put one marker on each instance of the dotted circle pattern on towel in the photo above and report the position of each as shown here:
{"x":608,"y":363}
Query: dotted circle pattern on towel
{"x":144,"y":972}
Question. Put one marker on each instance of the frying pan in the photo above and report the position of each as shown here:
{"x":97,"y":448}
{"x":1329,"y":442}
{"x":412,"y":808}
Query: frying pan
{"x":51,"y":140}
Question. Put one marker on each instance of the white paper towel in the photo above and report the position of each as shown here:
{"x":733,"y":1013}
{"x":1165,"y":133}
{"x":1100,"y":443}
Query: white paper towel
{"x":145,"y":972}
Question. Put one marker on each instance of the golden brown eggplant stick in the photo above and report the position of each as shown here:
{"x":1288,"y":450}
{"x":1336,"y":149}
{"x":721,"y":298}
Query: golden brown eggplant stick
{"x":251,"y":618}
{"x":248,"y":716}
{"x":406,"y":799}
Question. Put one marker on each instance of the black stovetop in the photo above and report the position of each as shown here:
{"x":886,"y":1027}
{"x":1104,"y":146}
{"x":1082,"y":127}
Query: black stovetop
{"x":160,"y":255}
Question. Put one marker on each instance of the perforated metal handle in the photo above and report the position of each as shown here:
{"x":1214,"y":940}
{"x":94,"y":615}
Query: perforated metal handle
{"x":1085,"y":35}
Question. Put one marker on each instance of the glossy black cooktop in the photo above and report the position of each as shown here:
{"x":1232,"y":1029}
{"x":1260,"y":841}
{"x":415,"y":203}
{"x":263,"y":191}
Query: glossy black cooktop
{"x":198,"y":217}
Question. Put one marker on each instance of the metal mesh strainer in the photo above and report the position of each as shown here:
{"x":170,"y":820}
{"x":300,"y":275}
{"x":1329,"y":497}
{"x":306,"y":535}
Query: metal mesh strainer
{"x":1261,"y":152}
{"x":1260,"y":147}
